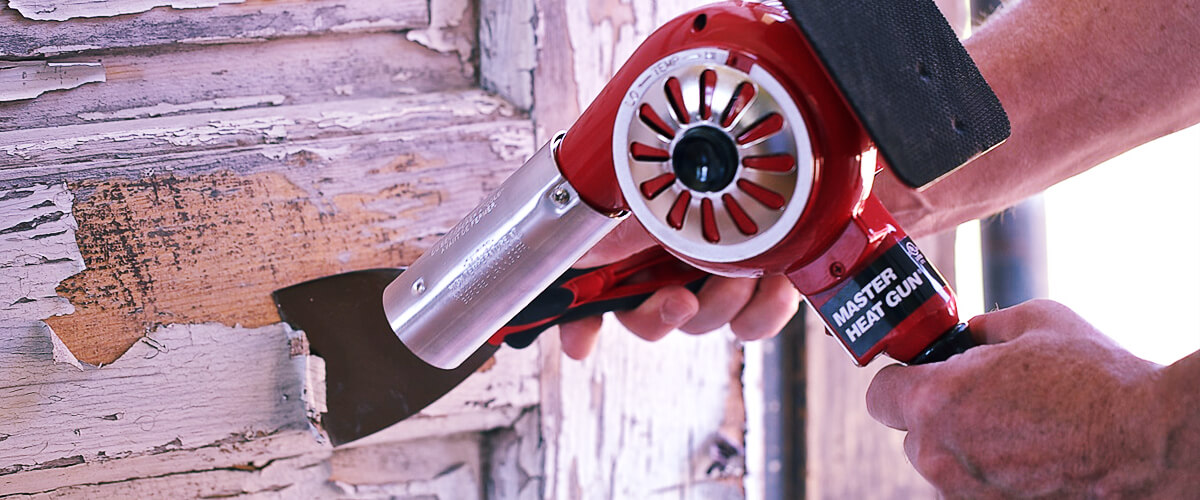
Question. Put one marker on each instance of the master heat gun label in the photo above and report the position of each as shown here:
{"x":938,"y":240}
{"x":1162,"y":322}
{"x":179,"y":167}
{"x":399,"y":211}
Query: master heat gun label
{"x":880,"y":296}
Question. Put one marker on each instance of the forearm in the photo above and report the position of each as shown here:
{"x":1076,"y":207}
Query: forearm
{"x":1180,"y":394}
{"x":1082,"y":81}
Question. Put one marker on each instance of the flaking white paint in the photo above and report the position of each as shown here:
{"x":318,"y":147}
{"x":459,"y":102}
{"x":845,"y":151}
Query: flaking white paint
{"x":29,"y":79}
{"x":61,"y":10}
{"x":165,"y":108}
{"x":37,"y":251}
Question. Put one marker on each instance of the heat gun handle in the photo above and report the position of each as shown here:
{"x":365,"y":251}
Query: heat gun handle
{"x":580,"y":293}
{"x":955,"y":341}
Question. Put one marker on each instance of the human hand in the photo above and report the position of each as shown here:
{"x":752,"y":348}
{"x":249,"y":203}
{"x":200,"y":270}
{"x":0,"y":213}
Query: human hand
{"x":1050,"y":407}
{"x":753,"y":308}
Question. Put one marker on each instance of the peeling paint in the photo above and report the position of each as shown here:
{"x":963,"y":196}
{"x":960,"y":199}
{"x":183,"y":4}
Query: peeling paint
{"x":61,"y":10}
{"x":29,"y":79}
{"x":37,"y":251}
{"x":163,"y":108}
{"x":270,"y":128}
{"x":148,"y":397}
{"x":53,"y":50}
{"x":61,"y":354}
{"x":450,"y":30}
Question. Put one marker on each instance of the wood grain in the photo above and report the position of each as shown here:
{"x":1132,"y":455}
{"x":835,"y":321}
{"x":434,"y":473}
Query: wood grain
{"x":252,"y":21}
{"x":161,"y":249}
{"x":192,"y":79}
{"x":172,"y":391}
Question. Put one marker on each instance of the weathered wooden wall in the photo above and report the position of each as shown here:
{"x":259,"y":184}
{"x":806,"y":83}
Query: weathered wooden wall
{"x":165,"y":165}
{"x":635,"y":420}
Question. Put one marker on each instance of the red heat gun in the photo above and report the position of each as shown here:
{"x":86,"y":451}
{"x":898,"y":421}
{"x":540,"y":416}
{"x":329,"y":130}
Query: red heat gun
{"x":744,"y":137}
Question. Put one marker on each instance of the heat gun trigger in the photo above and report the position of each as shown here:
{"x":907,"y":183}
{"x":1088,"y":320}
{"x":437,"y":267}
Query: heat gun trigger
{"x":580,"y":293}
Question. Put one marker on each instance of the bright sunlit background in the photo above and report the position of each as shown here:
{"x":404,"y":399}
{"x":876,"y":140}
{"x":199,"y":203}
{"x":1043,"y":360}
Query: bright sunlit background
{"x":1123,"y":248}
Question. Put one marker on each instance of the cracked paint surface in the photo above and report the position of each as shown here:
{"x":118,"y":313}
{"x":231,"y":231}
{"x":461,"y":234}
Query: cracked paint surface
{"x":61,"y":10}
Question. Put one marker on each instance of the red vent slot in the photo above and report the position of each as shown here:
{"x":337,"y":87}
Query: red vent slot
{"x":652,"y":120}
{"x":768,"y":198}
{"x":766,"y":127}
{"x":675,"y":99}
{"x":741,"y":97}
{"x":709,"y":221}
{"x":679,"y":210}
{"x":708,"y":83}
{"x":772,"y":163}
{"x":744,"y":223}
{"x":654,"y":187}
{"x":642,"y":152}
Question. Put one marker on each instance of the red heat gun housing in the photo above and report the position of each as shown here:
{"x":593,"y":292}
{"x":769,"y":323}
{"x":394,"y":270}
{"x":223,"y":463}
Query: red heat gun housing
{"x":842,"y":253}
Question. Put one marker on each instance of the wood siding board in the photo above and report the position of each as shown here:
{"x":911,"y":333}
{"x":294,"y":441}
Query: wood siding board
{"x":508,"y":56}
{"x":171,"y":391}
{"x":200,"y":79}
{"x":250,"y":21}
{"x":161,"y":248}
{"x":83,"y":146}
{"x":638,"y":420}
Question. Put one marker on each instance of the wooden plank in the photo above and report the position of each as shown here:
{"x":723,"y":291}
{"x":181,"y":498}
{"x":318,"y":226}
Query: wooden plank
{"x":201,"y":79}
{"x":61,"y":10}
{"x":251,"y":21}
{"x":635,"y":420}
{"x":356,"y":185}
{"x":644,"y":420}
{"x":171,"y":391}
{"x":507,"y":49}
{"x":21,"y":80}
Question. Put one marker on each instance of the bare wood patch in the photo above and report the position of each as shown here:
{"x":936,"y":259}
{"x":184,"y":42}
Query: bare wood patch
{"x":161,"y":249}
{"x":61,"y":10}
{"x":252,"y":21}
{"x":21,"y":80}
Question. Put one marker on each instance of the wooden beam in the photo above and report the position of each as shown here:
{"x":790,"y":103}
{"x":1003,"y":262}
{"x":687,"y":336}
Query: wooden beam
{"x":337,"y":186}
{"x":252,"y":21}
{"x":193,"y":79}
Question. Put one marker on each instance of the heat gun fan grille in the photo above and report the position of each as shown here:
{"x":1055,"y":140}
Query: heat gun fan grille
{"x":714,"y":158}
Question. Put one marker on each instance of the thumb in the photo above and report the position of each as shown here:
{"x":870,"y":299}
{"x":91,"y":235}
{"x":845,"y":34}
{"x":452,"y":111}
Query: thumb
{"x":626,"y":239}
{"x":1007,"y":324}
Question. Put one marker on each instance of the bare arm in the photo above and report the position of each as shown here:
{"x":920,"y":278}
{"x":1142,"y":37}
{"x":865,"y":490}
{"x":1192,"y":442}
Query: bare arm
{"x":1082,"y":81}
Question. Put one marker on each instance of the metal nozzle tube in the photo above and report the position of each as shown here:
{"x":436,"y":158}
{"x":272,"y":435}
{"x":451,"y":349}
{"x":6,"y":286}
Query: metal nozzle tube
{"x":493,"y":263}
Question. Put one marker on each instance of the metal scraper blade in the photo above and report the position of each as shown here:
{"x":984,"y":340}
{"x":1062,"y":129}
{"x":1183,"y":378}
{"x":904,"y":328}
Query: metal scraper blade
{"x":372,"y":380}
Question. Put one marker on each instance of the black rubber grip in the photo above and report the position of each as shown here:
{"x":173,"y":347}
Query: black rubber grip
{"x":955,"y":341}
{"x":550,"y":303}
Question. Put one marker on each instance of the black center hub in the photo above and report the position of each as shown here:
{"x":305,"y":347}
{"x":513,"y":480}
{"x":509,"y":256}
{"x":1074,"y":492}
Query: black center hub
{"x":705,"y":159}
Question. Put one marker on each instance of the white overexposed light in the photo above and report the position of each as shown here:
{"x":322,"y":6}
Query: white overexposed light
{"x":1123,"y":248}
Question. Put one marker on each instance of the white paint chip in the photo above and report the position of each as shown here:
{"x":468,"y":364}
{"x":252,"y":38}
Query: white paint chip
{"x":28,"y":79}
{"x":37,"y":251}
{"x":61,"y":354}
{"x":61,"y":10}
{"x":165,"y":108}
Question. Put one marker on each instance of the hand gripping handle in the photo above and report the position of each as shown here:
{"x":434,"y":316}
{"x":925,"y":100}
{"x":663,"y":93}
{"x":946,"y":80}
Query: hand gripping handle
{"x":580,"y":293}
{"x":955,"y":341}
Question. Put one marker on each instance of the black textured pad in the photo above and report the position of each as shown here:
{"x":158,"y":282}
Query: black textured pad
{"x":911,"y":82}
